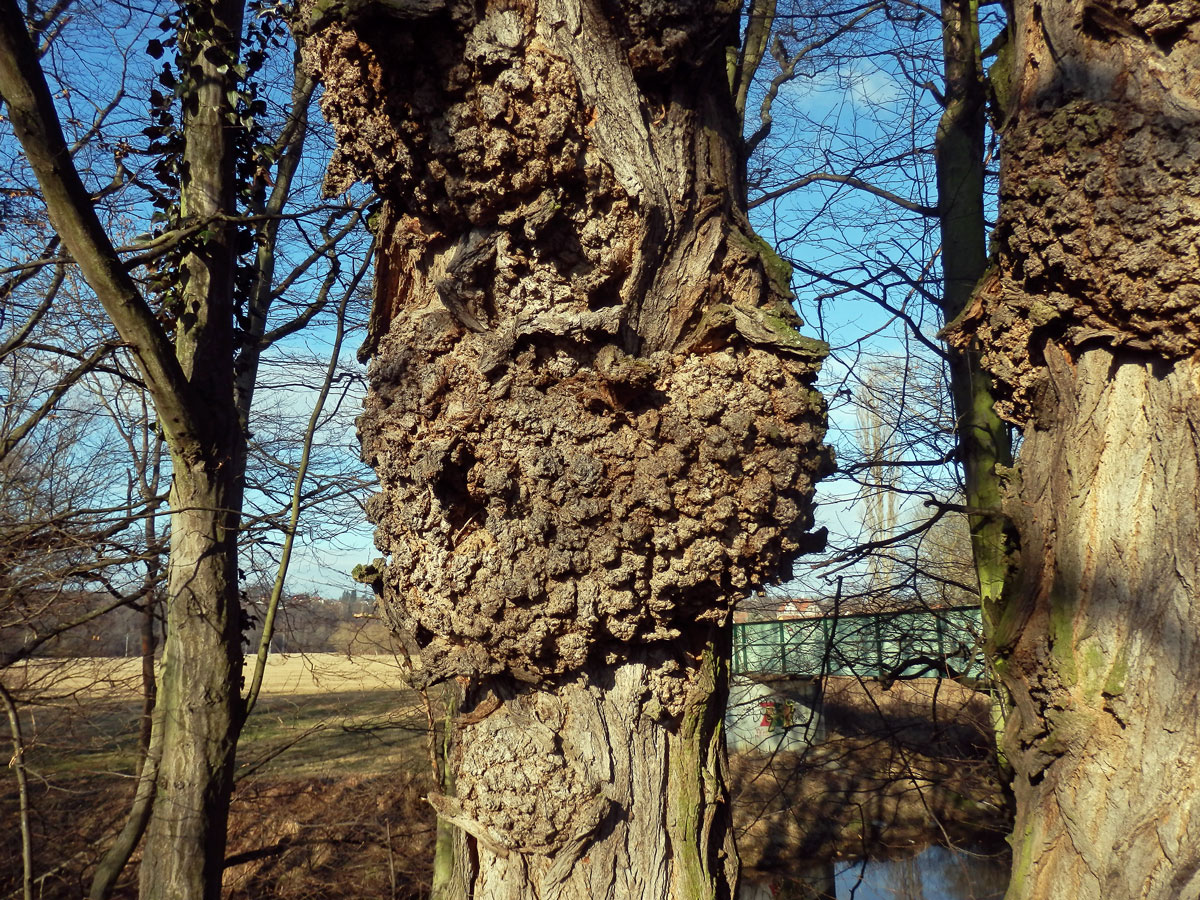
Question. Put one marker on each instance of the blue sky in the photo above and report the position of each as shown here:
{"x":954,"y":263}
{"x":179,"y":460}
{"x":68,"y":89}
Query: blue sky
{"x":860,"y":114}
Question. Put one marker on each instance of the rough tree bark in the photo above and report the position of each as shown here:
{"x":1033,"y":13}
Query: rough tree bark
{"x":590,"y":411}
{"x":1090,"y":318}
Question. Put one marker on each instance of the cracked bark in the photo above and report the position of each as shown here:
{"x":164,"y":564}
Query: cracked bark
{"x":590,"y":409}
{"x":1089,"y":320}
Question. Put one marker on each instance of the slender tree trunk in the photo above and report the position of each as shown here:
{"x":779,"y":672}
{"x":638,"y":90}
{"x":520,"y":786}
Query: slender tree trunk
{"x":17,"y":763}
{"x":148,"y":644}
{"x":984,"y":444}
{"x":983,"y":440}
{"x":198,"y":697}
{"x":1089,"y":320}
{"x":590,"y":411}
{"x":199,"y":690}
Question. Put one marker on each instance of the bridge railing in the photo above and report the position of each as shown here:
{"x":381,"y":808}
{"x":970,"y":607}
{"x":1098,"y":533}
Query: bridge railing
{"x":906,"y":644}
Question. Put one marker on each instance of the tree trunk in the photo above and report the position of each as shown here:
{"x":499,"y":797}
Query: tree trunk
{"x":446,"y":881}
{"x":984,"y":443}
{"x":1090,"y":321}
{"x":983,"y":440}
{"x":590,"y":411}
{"x":1105,"y":620}
{"x":199,"y":693}
{"x":587,"y":790}
{"x":191,"y":384}
{"x":198,"y":697}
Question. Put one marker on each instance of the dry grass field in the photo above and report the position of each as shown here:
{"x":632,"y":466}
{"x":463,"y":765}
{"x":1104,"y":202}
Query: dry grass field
{"x":332,"y":767}
{"x":315,"y":711}
{"x":108,"y":678}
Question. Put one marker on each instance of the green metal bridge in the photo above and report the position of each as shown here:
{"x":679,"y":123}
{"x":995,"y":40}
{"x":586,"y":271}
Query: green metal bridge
{"x":891,"y":645}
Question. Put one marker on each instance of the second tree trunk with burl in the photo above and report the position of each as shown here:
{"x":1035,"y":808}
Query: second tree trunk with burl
{"x":1090,"y":320}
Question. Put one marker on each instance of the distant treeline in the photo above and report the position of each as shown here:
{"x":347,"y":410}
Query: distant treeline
{"x":305,"y":623}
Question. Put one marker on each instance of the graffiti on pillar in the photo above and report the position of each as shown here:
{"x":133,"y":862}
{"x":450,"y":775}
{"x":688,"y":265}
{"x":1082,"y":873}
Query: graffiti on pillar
{"x":777,"y":715}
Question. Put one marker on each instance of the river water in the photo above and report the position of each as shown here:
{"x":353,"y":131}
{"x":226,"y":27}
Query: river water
{"x":936,"y":873}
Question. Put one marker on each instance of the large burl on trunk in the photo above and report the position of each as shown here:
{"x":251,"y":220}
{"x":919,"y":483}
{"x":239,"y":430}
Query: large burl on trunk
{"x":590,"y":410}
{"x":1090,"y":318}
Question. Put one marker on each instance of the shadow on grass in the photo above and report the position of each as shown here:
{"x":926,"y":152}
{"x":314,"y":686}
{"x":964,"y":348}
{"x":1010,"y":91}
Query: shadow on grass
{"x":328,"y":802}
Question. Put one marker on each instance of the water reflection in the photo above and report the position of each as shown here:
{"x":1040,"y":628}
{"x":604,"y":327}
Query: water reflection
{"x":937,"y":873}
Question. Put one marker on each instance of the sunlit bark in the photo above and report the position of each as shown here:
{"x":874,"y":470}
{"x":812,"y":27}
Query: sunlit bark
{"x":1090,"y":321}
{"x":591,"y":413}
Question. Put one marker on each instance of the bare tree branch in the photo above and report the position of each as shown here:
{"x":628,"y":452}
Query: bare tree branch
{"x":850,"y":181}
{"x":35,"y":121}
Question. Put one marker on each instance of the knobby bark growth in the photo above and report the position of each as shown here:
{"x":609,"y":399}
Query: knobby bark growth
{"x":1090,"y":320}
{"x":590,"y":410}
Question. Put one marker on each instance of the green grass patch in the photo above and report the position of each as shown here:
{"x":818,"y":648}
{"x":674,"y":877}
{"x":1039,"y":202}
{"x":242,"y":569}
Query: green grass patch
{"x":302,"y":735}
{"x":352,"y":732}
